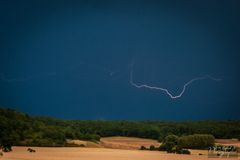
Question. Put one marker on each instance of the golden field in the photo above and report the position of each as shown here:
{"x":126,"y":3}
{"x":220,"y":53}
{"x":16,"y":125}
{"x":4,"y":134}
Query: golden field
{"x":111,"y":148}
{"x":78,"y":153}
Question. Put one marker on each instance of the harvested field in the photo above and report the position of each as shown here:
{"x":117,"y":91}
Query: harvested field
{"x":127,"y":142}
{"x":88,"y":144}
{"x":79,"y":153}
{"x":228,"y":142}
{"x":110,"y":148}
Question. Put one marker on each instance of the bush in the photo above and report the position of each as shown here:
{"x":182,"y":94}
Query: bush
{"x":6,"y":148}
{"x":6,"y":144}
{"x":90,"y":137}
{"x":171,"y":138}
{"x":143,"y":148}
{"x":170,"y":147}
{"x":160,"y":138}
{"x":186,"y":151}
{"x":169,"y":143}
{"x":196,"y":141}
{"x":96,"y":137}
{"x":162,"y":147}
{"x":152,"y":148}
{"x":73,"y":145}
{"x":46,"y":142}
{"x":183,"y":151}
{"x":180,"y":150}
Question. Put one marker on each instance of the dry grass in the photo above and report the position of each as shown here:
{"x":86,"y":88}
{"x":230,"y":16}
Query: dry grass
{"x":79,"y":153}
{"x":88,"y":144}
{"x":127,"y":142}
{"x":228,"y":142}
{"x":111,"y":148}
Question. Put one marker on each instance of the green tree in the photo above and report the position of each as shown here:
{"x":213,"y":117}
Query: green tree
{"x":196,"y":141}
{"x":169,"y":143}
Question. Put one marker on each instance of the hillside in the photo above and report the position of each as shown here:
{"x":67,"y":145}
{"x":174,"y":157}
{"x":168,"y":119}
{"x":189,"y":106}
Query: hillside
{"x":18,"y":128}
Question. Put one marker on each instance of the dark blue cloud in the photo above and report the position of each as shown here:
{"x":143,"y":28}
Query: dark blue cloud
{"x":73,"y":59}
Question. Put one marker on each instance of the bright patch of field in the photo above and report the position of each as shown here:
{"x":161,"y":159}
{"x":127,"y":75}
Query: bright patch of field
{"x":127,"y":142}
{"x":88,"y":144}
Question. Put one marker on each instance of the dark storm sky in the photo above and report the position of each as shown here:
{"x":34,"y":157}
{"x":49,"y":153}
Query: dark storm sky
{"x":72,"y":59}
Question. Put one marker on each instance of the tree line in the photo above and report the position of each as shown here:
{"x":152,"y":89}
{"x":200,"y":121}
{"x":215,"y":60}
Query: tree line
{"x":180,"y":145}
{"x":17,"y":128}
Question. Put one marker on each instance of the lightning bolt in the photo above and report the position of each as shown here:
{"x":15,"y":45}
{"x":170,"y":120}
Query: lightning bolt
{"x":166,"y":90}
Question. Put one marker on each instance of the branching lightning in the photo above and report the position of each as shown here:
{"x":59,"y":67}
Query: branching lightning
{"x":166,"y":90}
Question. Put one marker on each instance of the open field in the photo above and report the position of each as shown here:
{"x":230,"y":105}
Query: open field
{"x":228,"y":142}
{"x":109,"y":148}
{"x":117,"y":142}
{"x":127,"y":142}
{"x":79,"y":153}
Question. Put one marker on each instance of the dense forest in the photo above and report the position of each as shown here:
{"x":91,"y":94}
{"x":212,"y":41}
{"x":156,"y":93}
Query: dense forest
{"x":18,"y":128}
